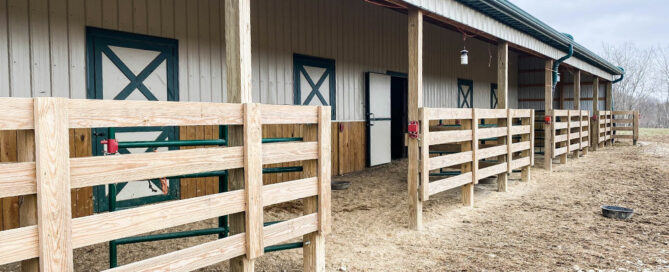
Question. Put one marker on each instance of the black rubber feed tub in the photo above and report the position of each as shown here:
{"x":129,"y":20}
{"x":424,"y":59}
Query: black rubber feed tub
{"x":340,"y":185}
{"x":617,"y":212}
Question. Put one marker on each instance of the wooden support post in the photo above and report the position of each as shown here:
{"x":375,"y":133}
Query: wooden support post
{"x":595,"y":111}
{"x":468,"y":189}
{"x":635,"y":137}
{"x":548,"y":111}
{"x":577,"y":106}
{"x":415,"y":101}
{"x":54,"y":210}
{"x":587,"y":119}
{"x":525,"y":173}
{"x":324,"y":170}
{"x":25,"y":145}
{"x":253,"y":181}
{"x":238,"y":63}
{"x":502,"y":103}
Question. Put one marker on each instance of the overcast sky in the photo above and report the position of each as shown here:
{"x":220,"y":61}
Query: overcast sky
{"x":592,"y":22}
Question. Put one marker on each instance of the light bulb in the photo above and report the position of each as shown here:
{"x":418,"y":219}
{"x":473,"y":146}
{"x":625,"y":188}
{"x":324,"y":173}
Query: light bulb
{"x":464,"y":59}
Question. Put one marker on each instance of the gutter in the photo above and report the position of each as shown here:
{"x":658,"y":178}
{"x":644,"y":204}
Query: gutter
{"x":614,"y":82}
{"x":530,"y":22}
{"x":556,"y":64}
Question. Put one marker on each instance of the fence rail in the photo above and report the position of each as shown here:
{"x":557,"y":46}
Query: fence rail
{"x":626,"y":122}
{"x":53,"y":174}
{"x":570,"y":132}
{"x":604,"y":129}
{"x":511,"y":143}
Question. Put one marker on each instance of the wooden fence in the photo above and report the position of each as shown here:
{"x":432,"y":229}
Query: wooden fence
{"x":570,"y":133}
{"x":627,"y":122}
{"x":53,"y":174}
{"x":603,"y":130}
{"x":511,"y":144}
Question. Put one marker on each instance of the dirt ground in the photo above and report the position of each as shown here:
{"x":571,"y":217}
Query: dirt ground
{"x":552,"y":223}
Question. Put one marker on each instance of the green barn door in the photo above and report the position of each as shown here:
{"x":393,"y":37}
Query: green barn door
{"x":465,"y":93}
{"x":125,"y":66}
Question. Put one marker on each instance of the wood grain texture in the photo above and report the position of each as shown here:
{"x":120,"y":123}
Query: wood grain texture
{"x":424,"y":163}
{"x":548,"y":108}
{"x":53,"y":184}
{"x":91,"y":171}
{"x":253,"y":181}
{"x":450,"y":183}
{"x":324,"y":171}
{"x":25,"y":147}
{"x":16,"y":113}
{"x":87,"y":113}
{"x":415,"y":101}
{"x":450,"y":160}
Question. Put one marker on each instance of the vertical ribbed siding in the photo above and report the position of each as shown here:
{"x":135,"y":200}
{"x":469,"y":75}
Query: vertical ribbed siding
{"x":531,"y":82}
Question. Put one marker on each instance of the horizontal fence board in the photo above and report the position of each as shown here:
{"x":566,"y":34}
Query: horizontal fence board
{"x":485,"y":153}
{"x":623,"y":112}
{"x":560,"y":125}
{"x":575,"y":124}
{"x":448,"y":114}
{"x":453,"y":136}
{"x":574,"y":147}
{"x":575,"y":135}
{"x":560,"y":113}
{"x":90,"y":171}
{"x":518,"y":163}
{"x":491,"y":132}
{"x":560,"y":138}
{"x":585,"y":144}
{"x":217,"y":251}
{"x":450,"y":183}
{"x":17,"y":179}
{"x":288,"y":114}
{"x":585,"y":133}
{"x":18,"y":244}
{"x":520,"y":113}
{"x":623,"y":121}
{"x":289,"y":152}
{"x":560,"y":151}
{"x":520,"y":146}
{"x":450,"y":160}
{"x":623,"y":129}
{"x":16,"y":113}
{"x":515,"y":130}
{"x":119,"y":224}
{"x":623,"y":136}
{"x":289,"y":190}
{"x":88,"y":113}
{"x":490,"y":113}
{"x":585,"y":123}
{"x":492,"y":170}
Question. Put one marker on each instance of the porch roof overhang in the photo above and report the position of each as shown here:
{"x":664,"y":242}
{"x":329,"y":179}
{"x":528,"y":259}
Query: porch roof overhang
{"x":505,"y":21}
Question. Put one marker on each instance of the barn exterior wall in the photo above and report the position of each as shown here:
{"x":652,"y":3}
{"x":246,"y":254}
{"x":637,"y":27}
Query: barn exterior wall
{"x":359,"y":36}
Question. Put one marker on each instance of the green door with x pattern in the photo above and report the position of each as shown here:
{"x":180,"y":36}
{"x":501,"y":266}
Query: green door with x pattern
{"x":127,"y":66}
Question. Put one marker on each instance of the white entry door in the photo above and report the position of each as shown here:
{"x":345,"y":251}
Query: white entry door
{"x":378,"y":118}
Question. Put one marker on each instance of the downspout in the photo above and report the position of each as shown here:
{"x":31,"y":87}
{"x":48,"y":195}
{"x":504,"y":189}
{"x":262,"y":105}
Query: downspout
{"x":556,"y":64}
{"x":614,"y":82}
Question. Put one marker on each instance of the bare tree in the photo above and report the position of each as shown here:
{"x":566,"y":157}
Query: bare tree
{"x":639,"y":70}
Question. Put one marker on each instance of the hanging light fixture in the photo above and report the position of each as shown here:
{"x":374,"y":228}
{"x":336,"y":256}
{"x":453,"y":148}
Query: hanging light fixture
{"x":464,"y":59}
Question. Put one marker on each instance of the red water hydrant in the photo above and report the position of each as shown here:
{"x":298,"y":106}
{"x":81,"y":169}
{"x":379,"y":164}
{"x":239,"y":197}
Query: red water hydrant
{"x":594,"y":117}
{"x":547,"y":120}
{"x":112,"y":145}
{"x":413,"y":129}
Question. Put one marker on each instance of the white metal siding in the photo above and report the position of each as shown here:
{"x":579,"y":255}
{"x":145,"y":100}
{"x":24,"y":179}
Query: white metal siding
{"x":46,"y":48}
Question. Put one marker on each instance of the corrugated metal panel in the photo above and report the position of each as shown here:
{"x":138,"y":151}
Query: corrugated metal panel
{"x":470,"y":17}
{"x":531,"y":83}
{"x":60,"y":47}
{"x":359,"y":36}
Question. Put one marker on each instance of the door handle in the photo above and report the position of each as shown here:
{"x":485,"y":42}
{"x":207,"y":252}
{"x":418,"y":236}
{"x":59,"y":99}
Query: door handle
{"x":99,"y":134}
{"x":370,"y":116}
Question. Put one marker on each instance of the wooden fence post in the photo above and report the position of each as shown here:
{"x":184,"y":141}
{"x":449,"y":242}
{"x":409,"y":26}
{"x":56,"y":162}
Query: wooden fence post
{"x":25,"y":146}
{"x":636,"y":128}
{"x":324,"y":170}
{"x":253,"y":181}
{"x":54,"y":212}
{"x":314,"y":243}
{"x":525,"y":173}
{"x":468,"y":189}
{"x":548,"y":111}
{"x":424,"y":187}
